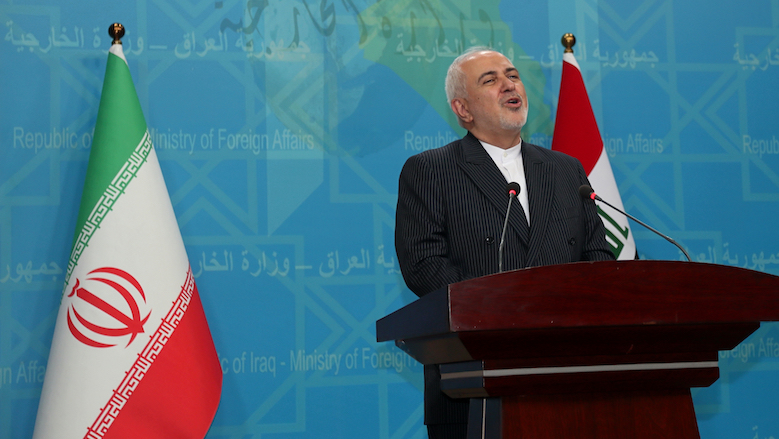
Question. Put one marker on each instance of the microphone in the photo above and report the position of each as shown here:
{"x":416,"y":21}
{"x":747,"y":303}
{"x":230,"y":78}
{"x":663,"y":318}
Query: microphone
{"x":585,"y":191}
{"x":512,"y":190}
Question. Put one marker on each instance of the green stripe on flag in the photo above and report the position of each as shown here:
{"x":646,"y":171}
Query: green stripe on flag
{"x":119,"y":130}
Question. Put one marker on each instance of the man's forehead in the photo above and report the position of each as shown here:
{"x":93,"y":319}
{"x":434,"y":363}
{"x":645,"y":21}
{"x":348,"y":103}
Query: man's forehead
{"x":484,"y":62}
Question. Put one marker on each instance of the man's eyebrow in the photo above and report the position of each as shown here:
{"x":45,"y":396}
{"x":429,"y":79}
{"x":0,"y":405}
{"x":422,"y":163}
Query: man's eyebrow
{"x":491,"y":72}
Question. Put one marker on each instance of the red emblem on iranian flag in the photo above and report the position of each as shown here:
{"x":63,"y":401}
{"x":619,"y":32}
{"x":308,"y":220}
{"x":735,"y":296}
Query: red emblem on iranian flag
{"x":106,"y":308}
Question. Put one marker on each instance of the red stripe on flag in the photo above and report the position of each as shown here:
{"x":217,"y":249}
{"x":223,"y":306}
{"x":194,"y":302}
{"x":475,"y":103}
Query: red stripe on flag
{"x":179,"y":394}
{"x":576,"y":131}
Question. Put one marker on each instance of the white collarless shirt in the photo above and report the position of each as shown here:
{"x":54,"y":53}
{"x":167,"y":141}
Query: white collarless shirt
{"x":509,"y":161}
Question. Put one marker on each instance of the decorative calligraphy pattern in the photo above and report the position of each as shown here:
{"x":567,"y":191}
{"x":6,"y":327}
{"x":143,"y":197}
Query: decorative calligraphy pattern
{"x":145,"y":360}
{"x":107,"y":200}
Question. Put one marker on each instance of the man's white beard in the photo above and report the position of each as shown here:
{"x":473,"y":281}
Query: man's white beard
{"x":508,"y":123}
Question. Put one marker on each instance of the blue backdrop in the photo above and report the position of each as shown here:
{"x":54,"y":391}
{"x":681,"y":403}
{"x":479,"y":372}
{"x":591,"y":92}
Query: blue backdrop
{"x":282,"y":126}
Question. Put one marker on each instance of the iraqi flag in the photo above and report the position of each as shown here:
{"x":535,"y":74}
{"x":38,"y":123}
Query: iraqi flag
{"x":576,"y":134}
{"x":132,"y":355}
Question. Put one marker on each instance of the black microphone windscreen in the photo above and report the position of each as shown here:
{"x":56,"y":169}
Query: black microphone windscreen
{"x":585,"y":191}
{"x":513,"y":186}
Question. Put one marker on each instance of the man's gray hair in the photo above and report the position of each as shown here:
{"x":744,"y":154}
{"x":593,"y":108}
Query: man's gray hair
{"x":455,"y":77}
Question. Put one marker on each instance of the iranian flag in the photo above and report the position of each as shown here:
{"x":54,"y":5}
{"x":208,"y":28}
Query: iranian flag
{"x":132,"y":355}
{"x":576,"y":134}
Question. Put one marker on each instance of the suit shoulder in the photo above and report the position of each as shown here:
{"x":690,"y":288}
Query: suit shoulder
{"x":443,"y":154}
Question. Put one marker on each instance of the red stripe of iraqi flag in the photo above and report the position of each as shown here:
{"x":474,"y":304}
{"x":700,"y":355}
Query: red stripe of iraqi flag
{"x":576,"y":131}
{"x":169,"y":397}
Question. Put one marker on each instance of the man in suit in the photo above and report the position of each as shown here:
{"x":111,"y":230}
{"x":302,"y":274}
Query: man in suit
{"x":452,"y":202}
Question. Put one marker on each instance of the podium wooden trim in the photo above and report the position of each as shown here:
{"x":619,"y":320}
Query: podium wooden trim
{"x":589,"y":349}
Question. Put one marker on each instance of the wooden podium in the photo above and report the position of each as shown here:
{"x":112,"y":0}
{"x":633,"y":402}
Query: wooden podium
{"x":585,"y":350}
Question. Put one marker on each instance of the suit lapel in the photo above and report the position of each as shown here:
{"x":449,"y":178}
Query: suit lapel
{"x":480,"y":168}
{"x":539,"y":175}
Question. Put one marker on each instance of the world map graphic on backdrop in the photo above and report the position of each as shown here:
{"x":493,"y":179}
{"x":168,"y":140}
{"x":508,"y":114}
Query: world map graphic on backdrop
{"x":281,"y":128}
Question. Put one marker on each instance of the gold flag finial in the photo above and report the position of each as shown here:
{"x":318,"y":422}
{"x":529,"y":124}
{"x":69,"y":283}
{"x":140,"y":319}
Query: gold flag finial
{"x":116,"y":31}
{"x":568,"y":41}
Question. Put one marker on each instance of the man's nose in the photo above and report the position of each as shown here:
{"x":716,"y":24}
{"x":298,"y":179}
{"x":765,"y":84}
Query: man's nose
{"x":508,"y":84}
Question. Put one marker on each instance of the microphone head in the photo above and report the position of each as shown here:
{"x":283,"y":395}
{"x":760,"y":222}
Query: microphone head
{"x":512,"y":189}
{"x":585,"y":191}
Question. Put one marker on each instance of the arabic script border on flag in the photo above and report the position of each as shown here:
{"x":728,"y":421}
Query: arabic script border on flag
{"x":107,"y":200}
{"x":145,"y":359}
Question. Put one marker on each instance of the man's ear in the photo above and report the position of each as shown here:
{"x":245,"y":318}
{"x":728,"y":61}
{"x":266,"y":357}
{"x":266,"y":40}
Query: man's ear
{"x":460,"y":108}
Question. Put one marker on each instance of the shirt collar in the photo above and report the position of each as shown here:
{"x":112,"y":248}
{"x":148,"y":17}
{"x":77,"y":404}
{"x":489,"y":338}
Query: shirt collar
{"x":500,"y":155}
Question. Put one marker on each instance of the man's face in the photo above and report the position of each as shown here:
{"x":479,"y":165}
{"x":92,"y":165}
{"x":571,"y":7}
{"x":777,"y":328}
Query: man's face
{"x":496,"y":95}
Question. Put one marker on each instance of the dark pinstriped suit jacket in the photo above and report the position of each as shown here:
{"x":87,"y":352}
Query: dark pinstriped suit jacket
{"x":451,"y":207}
